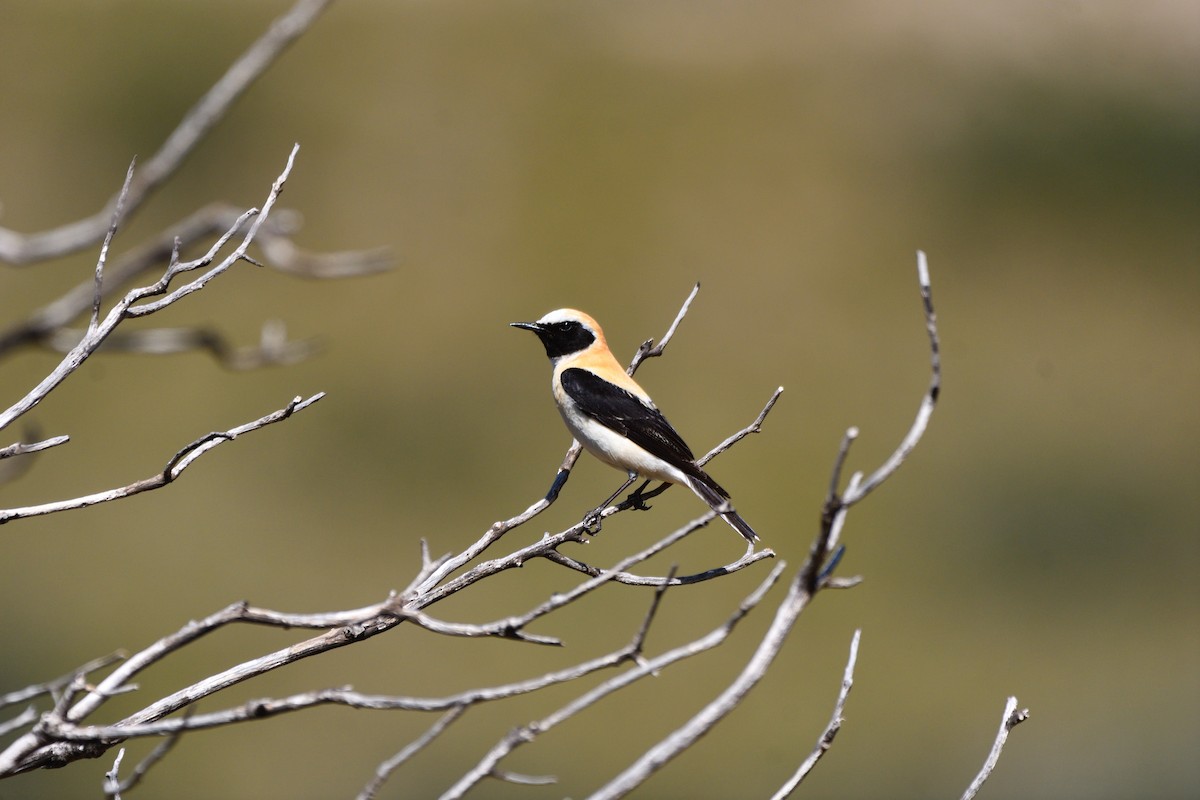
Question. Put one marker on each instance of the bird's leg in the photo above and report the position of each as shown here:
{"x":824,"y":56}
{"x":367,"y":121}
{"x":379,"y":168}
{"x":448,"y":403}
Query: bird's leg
{"x":831,"y":564}
{"x":592,"y":520}
{"x":556,"y":487}
{"x":637,"y":500}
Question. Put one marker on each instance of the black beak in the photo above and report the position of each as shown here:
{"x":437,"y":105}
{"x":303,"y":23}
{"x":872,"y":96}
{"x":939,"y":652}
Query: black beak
{"x":529,"y":326}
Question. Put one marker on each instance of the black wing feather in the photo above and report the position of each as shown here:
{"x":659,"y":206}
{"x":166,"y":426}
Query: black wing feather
{"x":626,"y":413}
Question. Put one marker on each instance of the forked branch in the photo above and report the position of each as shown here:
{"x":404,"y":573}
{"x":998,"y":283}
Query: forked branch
{"x":21,"y":249}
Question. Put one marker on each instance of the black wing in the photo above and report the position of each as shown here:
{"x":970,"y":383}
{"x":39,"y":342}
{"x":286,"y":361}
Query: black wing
{"x":625,"y":413}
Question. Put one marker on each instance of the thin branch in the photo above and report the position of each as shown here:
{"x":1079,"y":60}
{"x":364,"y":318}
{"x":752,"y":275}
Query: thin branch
{"x":385,"y":770}
{"x":19,"y":249}
{"x":22,"y":448}
{"x":273,"y":348}
{"x":287,"y":257}
{"x":125,"y":308}
{"x":660,"y":580}
{"x":60,"y":683}
{"x":836,"y":505}
{"x":831,"y":730}
{"x":560,"y":599}
{"x":238,"y":254}
{"x":429,"y":594}
{"x":838,"y":522}
{"x":112,"y":778}
{"x":20,"y":721}
{"x":47,"y":324}
{"x":753,"y":427}
{"x":524,"y":780}
{"x":175,"y":467}
{"x":925,"y":411}
{"x":839,"y":461}
{"x":1010,"y":719}
{"x":648,"y":349}
{"x":98,"y":290}
{"x":113,"y":786}
{"x":513,"y":627}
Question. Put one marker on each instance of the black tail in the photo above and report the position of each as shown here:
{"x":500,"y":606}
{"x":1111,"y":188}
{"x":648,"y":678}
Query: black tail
{"x":717,"y":498}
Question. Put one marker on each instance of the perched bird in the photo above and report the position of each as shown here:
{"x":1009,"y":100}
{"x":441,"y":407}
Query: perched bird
{"x":613,"y":417}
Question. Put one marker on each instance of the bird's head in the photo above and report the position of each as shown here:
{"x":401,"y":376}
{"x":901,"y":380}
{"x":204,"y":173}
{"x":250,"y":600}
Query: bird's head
{"x":565,"y":332}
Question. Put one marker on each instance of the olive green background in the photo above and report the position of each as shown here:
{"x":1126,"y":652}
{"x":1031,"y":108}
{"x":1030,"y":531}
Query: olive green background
{"x":517,"y":157}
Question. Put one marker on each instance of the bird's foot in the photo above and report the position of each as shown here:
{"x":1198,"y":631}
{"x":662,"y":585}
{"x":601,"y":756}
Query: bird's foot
{"x":593,"y":521}
{"x":636,"y":501}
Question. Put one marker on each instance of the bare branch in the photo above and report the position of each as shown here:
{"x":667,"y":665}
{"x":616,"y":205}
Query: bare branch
{"x":925,"y":411}
{"x":98,"y":289}
{"x":525,"y":734}
{"x":125,"y":307}
{"x":839,"y":518}
{"x":836,"y":505}
{"x":285,"y":256}
{"x":178,"y":463}
{"x":47,"y":325}
{"x":524,"y":780}
{"x":273,"y":348}
{"x":560,"y":599}
{"x":23,"y":448}
{"x":58,"y":684}
{"x":648,"y":349}
{"x":112,"y":779}
{"x":753,"y":427}
{"x":21,"y":249}
{"x":386,"y":769}
{"x":831,"y":730}
{"x":20,"y":721}
{"x":1011,"y":719}
{"x":113,"y":786}
{"x":431,"y":593}
{"x":656,"y":580}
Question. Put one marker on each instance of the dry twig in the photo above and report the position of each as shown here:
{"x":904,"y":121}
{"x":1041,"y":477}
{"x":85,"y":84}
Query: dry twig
{"x":138,"y":302}
{"x":1009,"y":720}
{"x":831,"y":730}
{"x":178,"y":463}
{"x":21,"y":249}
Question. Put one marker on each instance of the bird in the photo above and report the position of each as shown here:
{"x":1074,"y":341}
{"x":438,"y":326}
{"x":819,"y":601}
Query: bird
{"x":613,"y":417}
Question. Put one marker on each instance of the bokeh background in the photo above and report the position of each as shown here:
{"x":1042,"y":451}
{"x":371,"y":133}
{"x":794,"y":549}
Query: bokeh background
{"x":518,"y":157}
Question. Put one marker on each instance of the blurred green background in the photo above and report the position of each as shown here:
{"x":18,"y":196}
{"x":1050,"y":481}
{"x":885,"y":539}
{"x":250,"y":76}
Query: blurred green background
{"x":519,"y":157}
